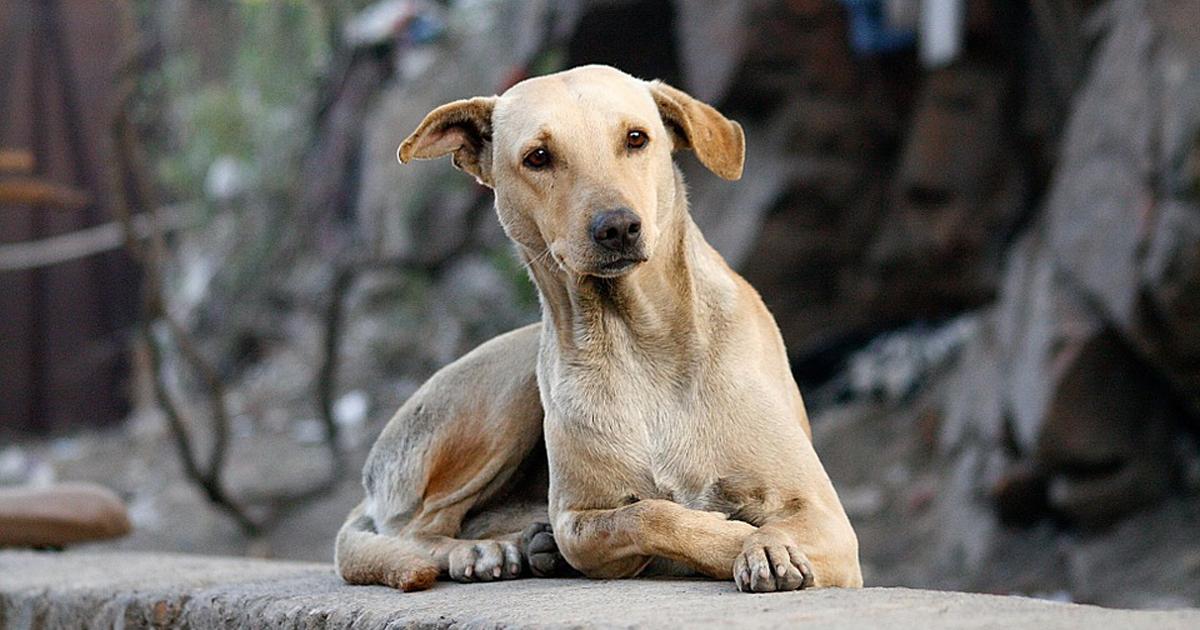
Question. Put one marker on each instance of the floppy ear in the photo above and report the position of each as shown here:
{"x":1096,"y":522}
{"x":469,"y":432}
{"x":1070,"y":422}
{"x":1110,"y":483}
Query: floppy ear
{"x":717,"y":141}
{"x":463,"y":128}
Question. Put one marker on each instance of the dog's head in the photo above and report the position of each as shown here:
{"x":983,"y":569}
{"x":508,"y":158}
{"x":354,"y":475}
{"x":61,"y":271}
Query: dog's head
{"x":581,"y":161}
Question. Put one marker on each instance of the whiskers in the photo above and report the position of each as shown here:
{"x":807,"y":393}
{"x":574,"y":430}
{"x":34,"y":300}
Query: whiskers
{"x":536,"y":259}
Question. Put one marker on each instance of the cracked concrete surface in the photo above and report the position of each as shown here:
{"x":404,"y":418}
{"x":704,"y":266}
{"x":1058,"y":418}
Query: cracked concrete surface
{"x":122,"y":589}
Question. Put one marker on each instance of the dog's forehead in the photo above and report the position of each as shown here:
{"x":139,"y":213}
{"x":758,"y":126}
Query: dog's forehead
{"x":587,"y":93}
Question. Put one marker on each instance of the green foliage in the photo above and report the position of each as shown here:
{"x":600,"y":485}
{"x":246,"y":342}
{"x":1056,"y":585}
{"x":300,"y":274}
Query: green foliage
{"x":257,"y":111}
{"x":234,"y":87}
{"x":505,"y":260}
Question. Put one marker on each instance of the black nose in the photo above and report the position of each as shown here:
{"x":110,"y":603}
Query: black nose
{"x":618,"y":230}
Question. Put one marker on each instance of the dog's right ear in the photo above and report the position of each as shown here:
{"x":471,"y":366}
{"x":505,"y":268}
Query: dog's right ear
{"x":462,"y":128}
{"x":718,"y":142}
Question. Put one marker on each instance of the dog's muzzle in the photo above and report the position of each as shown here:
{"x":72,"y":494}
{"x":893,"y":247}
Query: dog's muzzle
{"x":617,"y":235}
{"x":618,"y":231}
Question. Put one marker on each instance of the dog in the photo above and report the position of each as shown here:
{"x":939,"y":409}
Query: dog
{"x":650,"y":423}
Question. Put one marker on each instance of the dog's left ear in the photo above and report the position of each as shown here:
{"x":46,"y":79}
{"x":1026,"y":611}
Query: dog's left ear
{"x":462,"y":128}
{"x":717,"y":141}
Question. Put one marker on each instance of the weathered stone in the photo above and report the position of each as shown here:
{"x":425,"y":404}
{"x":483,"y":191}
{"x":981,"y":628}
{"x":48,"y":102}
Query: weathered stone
{"x":102,"y":590}
{"x":938,"y":527}
{"x":1105,"y":441}
{"x":955,"y":147}
{"x":768,"y":52}
{"x":1085,"y":416}
{"x":1120,"y":219}
{"x":707,"y":68}
{"x":1036,"y":315}
{"x":955,"y":196}
{"x":731,"y":214}
{"x":1170,"y":308}
{"x":420,"y":210}
{"x":1090,"y":350}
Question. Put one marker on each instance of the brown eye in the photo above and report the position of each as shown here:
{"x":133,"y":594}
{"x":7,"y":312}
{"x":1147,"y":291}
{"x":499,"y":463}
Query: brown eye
{"x":636,"y":139}
{"x":537,"y":158}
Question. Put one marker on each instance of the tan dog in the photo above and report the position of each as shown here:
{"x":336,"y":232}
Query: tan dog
{"x":675,"y":436}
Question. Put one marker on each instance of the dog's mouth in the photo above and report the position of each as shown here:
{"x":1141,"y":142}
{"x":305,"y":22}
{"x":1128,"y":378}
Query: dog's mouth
{"x":617,"y":267}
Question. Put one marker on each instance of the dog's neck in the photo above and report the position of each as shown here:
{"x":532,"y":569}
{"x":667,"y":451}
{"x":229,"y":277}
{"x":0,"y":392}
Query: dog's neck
{"x":663,"y":305}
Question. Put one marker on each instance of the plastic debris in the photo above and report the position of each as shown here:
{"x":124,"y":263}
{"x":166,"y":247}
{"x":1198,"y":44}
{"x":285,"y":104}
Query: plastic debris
{"x":872,"y":33}
{"x":411,"y":21}
{"x":940,"y":41}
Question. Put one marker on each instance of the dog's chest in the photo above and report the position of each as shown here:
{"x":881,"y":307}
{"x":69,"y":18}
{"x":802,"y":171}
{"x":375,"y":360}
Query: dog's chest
{"x":646,"y":433}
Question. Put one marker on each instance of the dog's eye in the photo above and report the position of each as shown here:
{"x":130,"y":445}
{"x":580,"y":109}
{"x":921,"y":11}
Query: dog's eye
{"x":537,"y":158}
{"x":636,"y":139}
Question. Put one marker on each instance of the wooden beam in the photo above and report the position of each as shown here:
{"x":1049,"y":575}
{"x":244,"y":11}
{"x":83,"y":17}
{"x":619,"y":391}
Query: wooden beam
{"x":86,"y":242}
{"x":35,"y":192}
{"x":19,"y":161}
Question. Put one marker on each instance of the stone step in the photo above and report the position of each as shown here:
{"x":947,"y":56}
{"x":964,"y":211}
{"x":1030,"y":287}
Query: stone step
{"x":82,"y":589}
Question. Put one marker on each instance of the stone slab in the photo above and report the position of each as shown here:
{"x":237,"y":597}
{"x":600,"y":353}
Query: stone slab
{"x":131,"y":590}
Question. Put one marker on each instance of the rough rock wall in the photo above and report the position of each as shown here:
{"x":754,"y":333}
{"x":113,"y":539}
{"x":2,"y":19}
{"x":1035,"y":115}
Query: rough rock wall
{"x":889,"y":194}
{"x":1086,"y":367}
{"x":1057,"y":453}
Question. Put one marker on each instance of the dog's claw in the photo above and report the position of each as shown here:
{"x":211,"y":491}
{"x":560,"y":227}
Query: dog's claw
{"x":767,"y":567}
{"x":485,"y":561}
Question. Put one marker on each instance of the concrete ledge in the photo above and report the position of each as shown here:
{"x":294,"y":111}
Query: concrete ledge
{"x":114,"y":589}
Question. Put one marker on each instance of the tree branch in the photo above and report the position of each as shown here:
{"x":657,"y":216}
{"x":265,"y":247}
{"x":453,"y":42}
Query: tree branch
{"x":88,"y":241}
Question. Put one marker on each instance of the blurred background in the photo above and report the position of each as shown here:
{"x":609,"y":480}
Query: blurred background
{"x":977,"y":223}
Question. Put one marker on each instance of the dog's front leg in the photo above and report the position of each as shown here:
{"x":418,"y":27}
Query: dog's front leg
{"x":814,"y":546}
{"x":620,"y":542}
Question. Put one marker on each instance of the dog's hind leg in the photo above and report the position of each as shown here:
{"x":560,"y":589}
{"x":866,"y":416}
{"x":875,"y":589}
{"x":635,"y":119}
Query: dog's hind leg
{"x":363,"y":556}
{"x":455,"y":476}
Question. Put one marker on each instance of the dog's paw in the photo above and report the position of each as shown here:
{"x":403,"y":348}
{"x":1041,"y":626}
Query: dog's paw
{"x":541,"y":552}
{"x":765,"y":566}
{"x":485,"y":561}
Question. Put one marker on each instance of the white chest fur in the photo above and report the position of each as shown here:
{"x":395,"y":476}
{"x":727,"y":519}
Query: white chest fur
{"x":640,"y":429}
